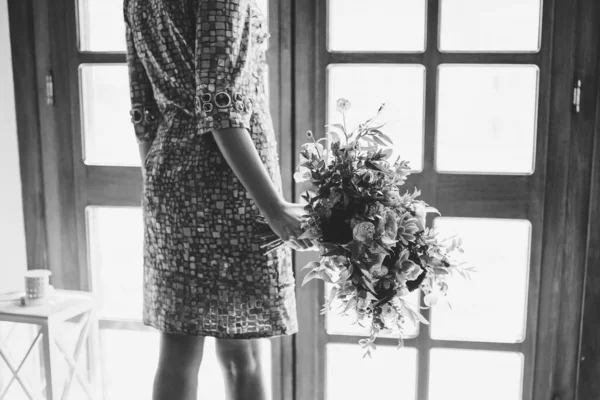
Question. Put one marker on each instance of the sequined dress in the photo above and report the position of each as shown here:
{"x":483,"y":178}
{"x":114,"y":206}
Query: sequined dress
{"x":196,"y":66}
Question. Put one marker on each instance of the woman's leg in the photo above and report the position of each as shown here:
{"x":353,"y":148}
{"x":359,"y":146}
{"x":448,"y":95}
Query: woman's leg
{"x":243,"y":363}
{"x":178,"y":365}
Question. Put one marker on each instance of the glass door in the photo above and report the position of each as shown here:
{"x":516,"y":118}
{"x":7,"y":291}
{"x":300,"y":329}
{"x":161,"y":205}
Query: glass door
{"x":466,"y":104}
{"x":107,"y":189}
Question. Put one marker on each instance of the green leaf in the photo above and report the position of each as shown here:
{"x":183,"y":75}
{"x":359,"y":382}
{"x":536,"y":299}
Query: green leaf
{"x":309,"y":234}
{"x":335,"y":252}
{"x":368,"y":284}
{"x":311,"y":265}
{"x":385,"y":137}
{"x":350,"y":304}
{"x":379,"y":141}
{"x":325,"y":276}
{"x":387,"y":153}
{"x":310,"y":276}
{"x":334,"y":136}
{"x":368,"y":139}
{"x":440,"y":271}
{"x":388,"y":241}
{"x":338,"y":126}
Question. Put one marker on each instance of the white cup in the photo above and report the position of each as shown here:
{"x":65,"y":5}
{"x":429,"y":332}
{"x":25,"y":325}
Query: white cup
{"x":37,"y":282}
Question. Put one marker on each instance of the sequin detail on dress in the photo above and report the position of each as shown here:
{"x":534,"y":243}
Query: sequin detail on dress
{"x":196,"y":66}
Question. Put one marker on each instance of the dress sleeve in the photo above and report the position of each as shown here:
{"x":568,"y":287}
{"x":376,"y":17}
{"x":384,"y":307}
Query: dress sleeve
{"x":144,"y":111}
{"x":224,"y":80}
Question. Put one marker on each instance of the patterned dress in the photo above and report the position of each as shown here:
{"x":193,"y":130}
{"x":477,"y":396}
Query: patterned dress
{"x":196,"y":66}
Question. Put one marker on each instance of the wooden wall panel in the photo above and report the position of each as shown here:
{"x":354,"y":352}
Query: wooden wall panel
{"x":28,"y":126}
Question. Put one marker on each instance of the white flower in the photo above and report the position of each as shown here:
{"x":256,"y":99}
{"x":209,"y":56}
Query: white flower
{"x":313,"y":149}
{"x":388,"y":314}
{"x":343,"y":105}
{"x":421,"y":211}
{"x":391,"y":196}
{"x":431,"y":299}
{"x":361,"y":307}
{"x":364,"y":231}
{"x":302,"y":175}
{"x":403,"y":291}
{"x":378,"y":271}
{"x":411,"y":270}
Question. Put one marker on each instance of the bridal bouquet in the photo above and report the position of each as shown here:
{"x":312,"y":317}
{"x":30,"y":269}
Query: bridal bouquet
{"x":374,"y":246}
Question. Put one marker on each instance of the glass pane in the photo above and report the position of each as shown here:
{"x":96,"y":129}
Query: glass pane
{"x":264,"y":7}
{"x":108,"y":136}
{"x":94,"y":18}
{"x":487,"y":119}
{"x":492,"y":306}
{"x":352,"y":377}
{"x":490,"y":26}
{"x":383,"y":25}
{"x":475,"y":375}
{"x":401,"y":87}
{"x":129,"y":360}
{"x":337,"y":324}
{"x":126,"y":351}
{"x":115,"y":239}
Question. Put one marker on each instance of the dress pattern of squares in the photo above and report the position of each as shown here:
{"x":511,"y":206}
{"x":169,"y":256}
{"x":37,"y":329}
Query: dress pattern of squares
{"x":196,"y":66}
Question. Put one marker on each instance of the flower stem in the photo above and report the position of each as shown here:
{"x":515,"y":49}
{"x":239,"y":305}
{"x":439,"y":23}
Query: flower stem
{"x":344,"y":119}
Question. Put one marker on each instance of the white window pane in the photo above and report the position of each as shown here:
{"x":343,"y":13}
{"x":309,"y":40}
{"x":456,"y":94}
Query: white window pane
{"x":383,"y":25}
{"x":127,"y":351}
{"x":490,"y":26}
{"x":475,"y":375}
{"x":129,"y":360}
{"x":400,"y":87}
{"x":338,"y":324}
{"x":108,"y":135}
{"x":349,"y":376}
{"x":94,"y":18}
{"x":211,"y":384}
{"x":487,"y":119}
{"x":115,"y":239}
{"x":492,"y":306}
{"x":263,"y":5}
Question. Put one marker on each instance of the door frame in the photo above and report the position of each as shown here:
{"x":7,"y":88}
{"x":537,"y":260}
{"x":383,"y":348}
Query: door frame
{"x":565,"y":205}
{"x":570,"y":363}
{"x":54,"y":186}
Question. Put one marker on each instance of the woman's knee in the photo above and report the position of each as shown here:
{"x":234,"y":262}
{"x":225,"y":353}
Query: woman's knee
{"x":242,"y":357}
{"x":180,"y":353}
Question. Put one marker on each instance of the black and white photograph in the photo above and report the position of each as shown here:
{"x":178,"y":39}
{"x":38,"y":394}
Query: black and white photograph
{"x":300,"y":199}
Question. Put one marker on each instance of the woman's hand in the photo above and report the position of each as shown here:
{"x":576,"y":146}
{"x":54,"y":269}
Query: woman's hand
{"x":285,"y":221}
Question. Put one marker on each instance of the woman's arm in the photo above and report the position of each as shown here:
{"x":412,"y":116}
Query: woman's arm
{"x":237,"y":147}
{"x":224,"y":104}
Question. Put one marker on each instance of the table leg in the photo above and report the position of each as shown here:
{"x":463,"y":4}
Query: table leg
{"x":74,"y":361}
{"x":50,"y":354}
{"x":15,"y":372}
{"x":94,"y":356}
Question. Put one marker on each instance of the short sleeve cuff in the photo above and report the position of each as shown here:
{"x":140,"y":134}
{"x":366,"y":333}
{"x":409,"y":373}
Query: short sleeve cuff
{"x":145,"y":120}
{"x":223,"y":109}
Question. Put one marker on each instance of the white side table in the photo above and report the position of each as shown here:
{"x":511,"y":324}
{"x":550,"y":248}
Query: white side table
{"x":67,"y":305}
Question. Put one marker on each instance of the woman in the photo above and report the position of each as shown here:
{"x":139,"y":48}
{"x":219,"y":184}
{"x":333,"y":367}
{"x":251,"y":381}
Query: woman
{"x":210,"y":165}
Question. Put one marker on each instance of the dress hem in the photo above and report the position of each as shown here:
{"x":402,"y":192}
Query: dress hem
{"x":221,"y":335}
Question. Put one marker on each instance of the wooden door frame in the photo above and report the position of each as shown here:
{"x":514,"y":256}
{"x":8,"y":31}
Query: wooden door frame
{"x":55,"y":187}
{"x":565,"y":204}
{"x":588,"y":360}
{"x":570,"y":363}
